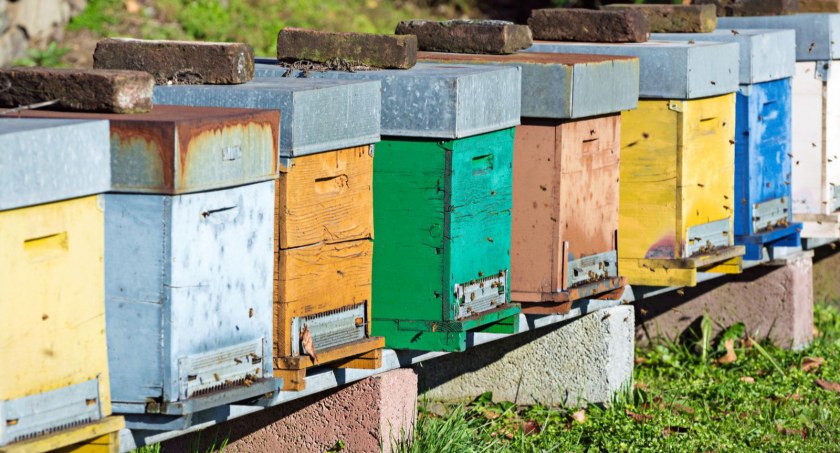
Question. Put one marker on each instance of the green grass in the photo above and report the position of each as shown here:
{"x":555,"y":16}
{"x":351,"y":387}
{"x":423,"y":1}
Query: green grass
{"x":255,"y":22}
{"x":683,"y":400}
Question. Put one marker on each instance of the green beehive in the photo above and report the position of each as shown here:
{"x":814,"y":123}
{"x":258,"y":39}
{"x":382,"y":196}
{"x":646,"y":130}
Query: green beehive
{"x":442,"y":198}
{"x":442,"y":213}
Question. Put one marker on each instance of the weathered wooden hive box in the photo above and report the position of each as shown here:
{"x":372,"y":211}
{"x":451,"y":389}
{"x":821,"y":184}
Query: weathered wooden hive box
{"x":188,"y":273}
{"x":676,"y":214}
{"x":324,"y":214}
{"x":55,"y":388}
{"x":816,"y":114}
{"x":443,"y":187}
{"x":763,"y":142}
{"x":565,"y":173}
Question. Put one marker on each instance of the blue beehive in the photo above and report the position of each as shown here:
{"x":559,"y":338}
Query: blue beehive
{"x":763,"y":136}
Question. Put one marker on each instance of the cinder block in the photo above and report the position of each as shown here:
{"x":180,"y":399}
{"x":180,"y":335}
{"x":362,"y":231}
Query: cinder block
{"x":97,"y":90}
{"x":61,"y":159}
{"x":675,"y":18}
{"x":370,"y":415}
{"x":766,"y":55}
{"x":375,"y":51}
{"x":819,"y":6}
{"x":586,"y":360}
{"x":436,"y":101}
{"x":467,"y":36}
{"x":563,"y":86}
{"x":174,"y":150}
{"x":773,"y":302}
{"x":752,"y":7}
{"x":669,"y":70}
{"x":571,"y":24}
{"x":817,"y":35}
{"x":315,"y":115}
{"x":178,"y":62}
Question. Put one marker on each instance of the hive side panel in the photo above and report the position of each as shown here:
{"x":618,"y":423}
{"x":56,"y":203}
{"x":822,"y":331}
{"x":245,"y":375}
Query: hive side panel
{"x":648,"y":187}
{"x":534,"y":248}
{"x":479,"y":208}
{"x":589,"y":182}
{"x":808,"y":139}
{"x":706,"y":175}
{"x":52,"y":297}
{"x":832,"y":143}
{"x":409,"y":181}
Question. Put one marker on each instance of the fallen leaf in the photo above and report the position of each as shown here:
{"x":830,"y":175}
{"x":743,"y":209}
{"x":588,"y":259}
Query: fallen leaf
{"x":640,"y":360}
{"x":730,"y":355}
{"x":747,"y":342}
{"x":817,"y":332}
{"x":795,"y":397}
{"x":491,"y":415}
{"x":509,"y":435}
{"x":308,"y":343}
{"x":812,"y":363}
{"x":132,"y":6}
{"x":638,"y":418}
{"x":579,"y":416}
{"x":668,"y":430}
{"x":531,"y":427}
{"x":641,"y":386}
{"x":792,"y":432}
{"x":681,"y":408}
{"x":748,"y":379}
{"x":828,"y":385}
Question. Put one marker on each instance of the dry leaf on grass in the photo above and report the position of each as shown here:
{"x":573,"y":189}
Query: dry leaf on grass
{"x":792,"y":432}
{"x":531,"y":427}
{"x":638,"y":418}
{"x":812,"y":363}
{"x":676,"y":407}
{"x":795,"y":397}
{"x":827,"y":385}
{"x":579,"y":416}
{"x":641,"y":386}
{"x":748,"y":379}
{"x":639,"y":360}
{"x":730,"y":355}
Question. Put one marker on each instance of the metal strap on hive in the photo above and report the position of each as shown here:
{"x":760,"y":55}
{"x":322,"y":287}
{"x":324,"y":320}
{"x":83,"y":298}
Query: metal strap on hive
{"x":331,"y":328}
{"x":223,"y":368}
{"x":707,"y":237}
{"x":44,"y":413}
{"x":592,"y":268}
{"x":770,"y":214}
{"x":480,"y":295}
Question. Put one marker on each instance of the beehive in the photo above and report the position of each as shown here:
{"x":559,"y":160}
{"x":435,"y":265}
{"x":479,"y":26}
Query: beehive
{"x":442,"y":181}
{"x":323,"y":213}
{"x":676,"y":214}
{"x":102,"y":436}
{"x":565,"y":173}
{"x":188,"y":258}
{"x":816,"y":110}
{"x":52,"y":278}
{"x":763,"y":189}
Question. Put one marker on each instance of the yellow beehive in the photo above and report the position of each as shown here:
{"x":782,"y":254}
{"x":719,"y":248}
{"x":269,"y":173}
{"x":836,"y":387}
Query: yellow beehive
{"x":677,"y":189}
{"x":52,"y":328}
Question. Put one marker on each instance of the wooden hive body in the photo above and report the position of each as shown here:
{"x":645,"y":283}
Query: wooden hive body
{"x":443,"y":220}
{"x":763,"y":189}
{"x":324,"y":215}
{"x":53,"y":323}
{"x":565,"y":207}
{"x":677,"y":191}
{"x":816,"y":149}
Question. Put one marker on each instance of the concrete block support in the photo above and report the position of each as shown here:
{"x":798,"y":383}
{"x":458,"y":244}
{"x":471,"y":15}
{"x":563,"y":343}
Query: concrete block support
{"x":587,"y":360}
{"x":774,"y":302}
{"x":365,"y":416}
